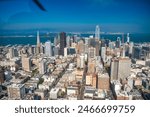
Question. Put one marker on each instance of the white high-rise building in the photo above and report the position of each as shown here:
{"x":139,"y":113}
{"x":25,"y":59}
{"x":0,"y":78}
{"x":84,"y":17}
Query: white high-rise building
{"x":48,"y":48}
{"x":42,"y":66}
{"x":65,"y":51}
{"x":68,"y":41}
{"x":128,"y":38}
{"x":80,"y":61}
{"x":97,"y":32}
{"x":103,"y":53}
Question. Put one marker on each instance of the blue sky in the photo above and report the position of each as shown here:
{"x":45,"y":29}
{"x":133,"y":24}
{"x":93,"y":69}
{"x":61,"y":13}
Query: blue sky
{"x":76,"y":15}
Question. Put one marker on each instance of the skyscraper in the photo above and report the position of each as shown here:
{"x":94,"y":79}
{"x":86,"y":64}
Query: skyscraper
{"x":26,"y":62}
{"x":124,"y":67}
{"x":38,"y":48}
{"x":128,"y":38}
{"x":97,"y":32}
{"x":62,"y":42}
{"x":91,"y":52}
{"x":68,"y":41}
{"x":118,"y":42}
{"x":42,"y":66}
{"x":1,"y":75}
{"x":11,"y":52}
{"x":103,"y":81}
{"x":48,"y":49}
{"x":137,"y":51}
{"x":114,"y":69}
{"x":120,"y":68}
{"x":81,"y":47}
{"x":103,"y":53}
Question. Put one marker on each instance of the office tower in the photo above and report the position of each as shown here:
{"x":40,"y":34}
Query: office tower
{"x":80,"y":47}
{"x":91,"y":66}
{"x":118,"y":42}
{"x":75,"y":38}
{"x":107,"y":42}
{"x":69,"y":51}
{"x":124,"y":67}
{"x":55,"y":41}
{"x":92,"y":42}
{"x":128,"y":38}
{"x":68,"y":41}
{"x":38,"y":48}
{"x":112,"y":45}
{"x":103,"y":43}
{"x":91,"y":52}
{"x":11,"y":53}
{"x":120,"y":68}
{"x":103,"y":81}
{"x":42,"y":49}
{"x":80,"y":61}
{"x":131,"y":48}
{"x":42,"y":66}
{"x":26,"y":62}
{"x":86,"y":49}
{"x":16,"y":91}
{"x":56,"y":50}
{"x":137,"y":51}
{"x":16,"y":54}
{"x":86,"y":40}
{"x":2,"y":75}
{"x":48,"y":49}
{"x":126,"y":48}
{"x":103,"y":53}
{"x":88,"y":80}
{"x":123,"y":52}
{"x":65,"y":51}
{"x":97,"y":47}
{"x":71,"y":41}
{"x":31,"y":50}
{"x":114,"y":69}
{"x":97,"y":32}
{"x":94,"y":81}
{"x":122,"y":37}
{"x":147,"y":55}
{"x":62,"y":42}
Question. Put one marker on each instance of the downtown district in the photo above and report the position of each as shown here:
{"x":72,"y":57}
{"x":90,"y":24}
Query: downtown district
{"x":76,"y":68}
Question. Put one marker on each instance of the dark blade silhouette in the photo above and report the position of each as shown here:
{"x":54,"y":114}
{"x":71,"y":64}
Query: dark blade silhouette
{"x":39,"y":5}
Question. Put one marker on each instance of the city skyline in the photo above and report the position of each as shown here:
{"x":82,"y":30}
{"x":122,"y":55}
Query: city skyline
{"x":74,"y":67}
{"x":80,"y":15}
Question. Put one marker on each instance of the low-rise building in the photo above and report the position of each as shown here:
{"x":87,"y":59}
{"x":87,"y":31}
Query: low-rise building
{"x":16,"y":91}
{"x":54,"y":93}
